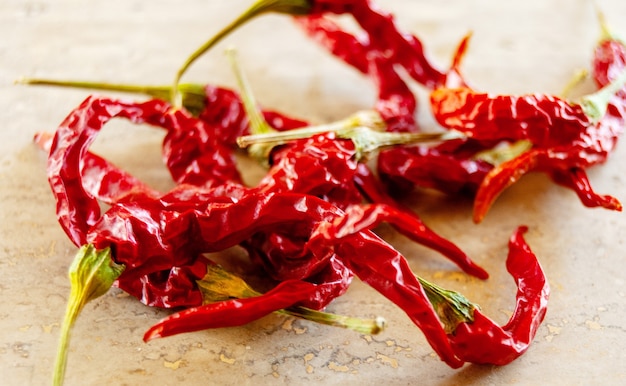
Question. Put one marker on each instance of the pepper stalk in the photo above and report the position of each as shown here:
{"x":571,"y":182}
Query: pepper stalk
{"x":193,"y":95}
{"x":91,"y":274}
{"x":451,"y":307}
{"x":594,"y":105}
{"x":260,"y":7}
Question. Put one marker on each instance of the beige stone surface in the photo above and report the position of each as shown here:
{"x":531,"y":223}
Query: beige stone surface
{"x":517,"y":47}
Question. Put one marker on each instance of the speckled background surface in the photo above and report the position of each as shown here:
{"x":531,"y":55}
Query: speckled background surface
{"x":517,"y":47}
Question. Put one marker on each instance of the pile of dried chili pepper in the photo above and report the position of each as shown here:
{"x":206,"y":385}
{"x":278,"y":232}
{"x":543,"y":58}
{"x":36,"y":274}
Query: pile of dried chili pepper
{"x":308,"y":227}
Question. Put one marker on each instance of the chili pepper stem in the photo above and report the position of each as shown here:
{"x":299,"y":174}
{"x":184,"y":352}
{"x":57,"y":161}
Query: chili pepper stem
{"x":361,"y":128}
{"x":451,"y":307}
{"x":363,"y":326}
{"x":595,"y":105}
{"x":575,"y":81}
{"x":193,"y":95}
{"x":292,"y":7}
{"x":258,"y":125}
{"x":91,"y":274}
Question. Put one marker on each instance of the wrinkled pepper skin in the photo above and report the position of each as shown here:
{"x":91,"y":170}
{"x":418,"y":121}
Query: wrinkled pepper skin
{"x":450,"y":168}
{"x":481,"y":341}
{"x":565,"y":141}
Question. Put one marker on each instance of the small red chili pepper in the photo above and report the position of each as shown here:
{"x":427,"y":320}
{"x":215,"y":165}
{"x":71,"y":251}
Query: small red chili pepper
{"x":327,"y":167}
{"x":386,"y":41}
{"x":566,"y":138}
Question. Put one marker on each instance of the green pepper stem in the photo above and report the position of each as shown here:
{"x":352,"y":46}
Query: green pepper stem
{"x":362,"y":128}
{"x":292,"y":7}
{"x":363,"y":326}
{"x":258,"y":124}
{"x":220,"y":285}
{"x":91,"y":275}
{"x":193,"y":95}
{"x":605,"y":31}
{"x":595,"y":105}
{"x":451,"y":307}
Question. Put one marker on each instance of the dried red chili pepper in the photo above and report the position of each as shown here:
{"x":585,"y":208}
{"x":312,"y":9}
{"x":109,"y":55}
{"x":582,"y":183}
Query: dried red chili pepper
{"x":152,"y":246}
{"x":387,"y":271}
{"x":565,"y":139}
{"x":327,"y":168}
{"x":451,"y":167}
{"x":481,"y":341}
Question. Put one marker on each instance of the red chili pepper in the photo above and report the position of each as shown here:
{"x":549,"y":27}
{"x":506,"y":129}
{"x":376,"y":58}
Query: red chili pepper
{"x":478,"y":341}
{"x":396,"y":103}
{"x":482,"y":341}
{"x":386,"y":38}
{"x":566,"y":138}
{"x":77,"y":210}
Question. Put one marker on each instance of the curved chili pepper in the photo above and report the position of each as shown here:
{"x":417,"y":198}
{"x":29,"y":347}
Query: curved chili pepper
{"x":482,"y":341}
{"x":77,"y":210}
{"x":396,"y":103}
{"x":476,"y":341}
{"x":106,"y":182}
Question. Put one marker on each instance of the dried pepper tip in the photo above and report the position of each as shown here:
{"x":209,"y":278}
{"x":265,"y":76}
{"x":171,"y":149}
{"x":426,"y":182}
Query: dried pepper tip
{"x":91,"y":275}
{"x":451,"y":307}
{"x":219,"y":285}
{"x":193,"y":95}
{"x":485,"y":342}
{"x":595,"y":105}
{"x":291,"y":7}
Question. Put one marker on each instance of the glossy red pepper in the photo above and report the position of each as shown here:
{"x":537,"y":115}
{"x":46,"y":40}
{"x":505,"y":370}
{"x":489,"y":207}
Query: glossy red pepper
{"x":451,"y":167}
{"x":565,"y":139}
{"x":485,"y":343}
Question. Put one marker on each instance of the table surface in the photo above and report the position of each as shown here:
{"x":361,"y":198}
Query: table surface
{"x":517,"y":47}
